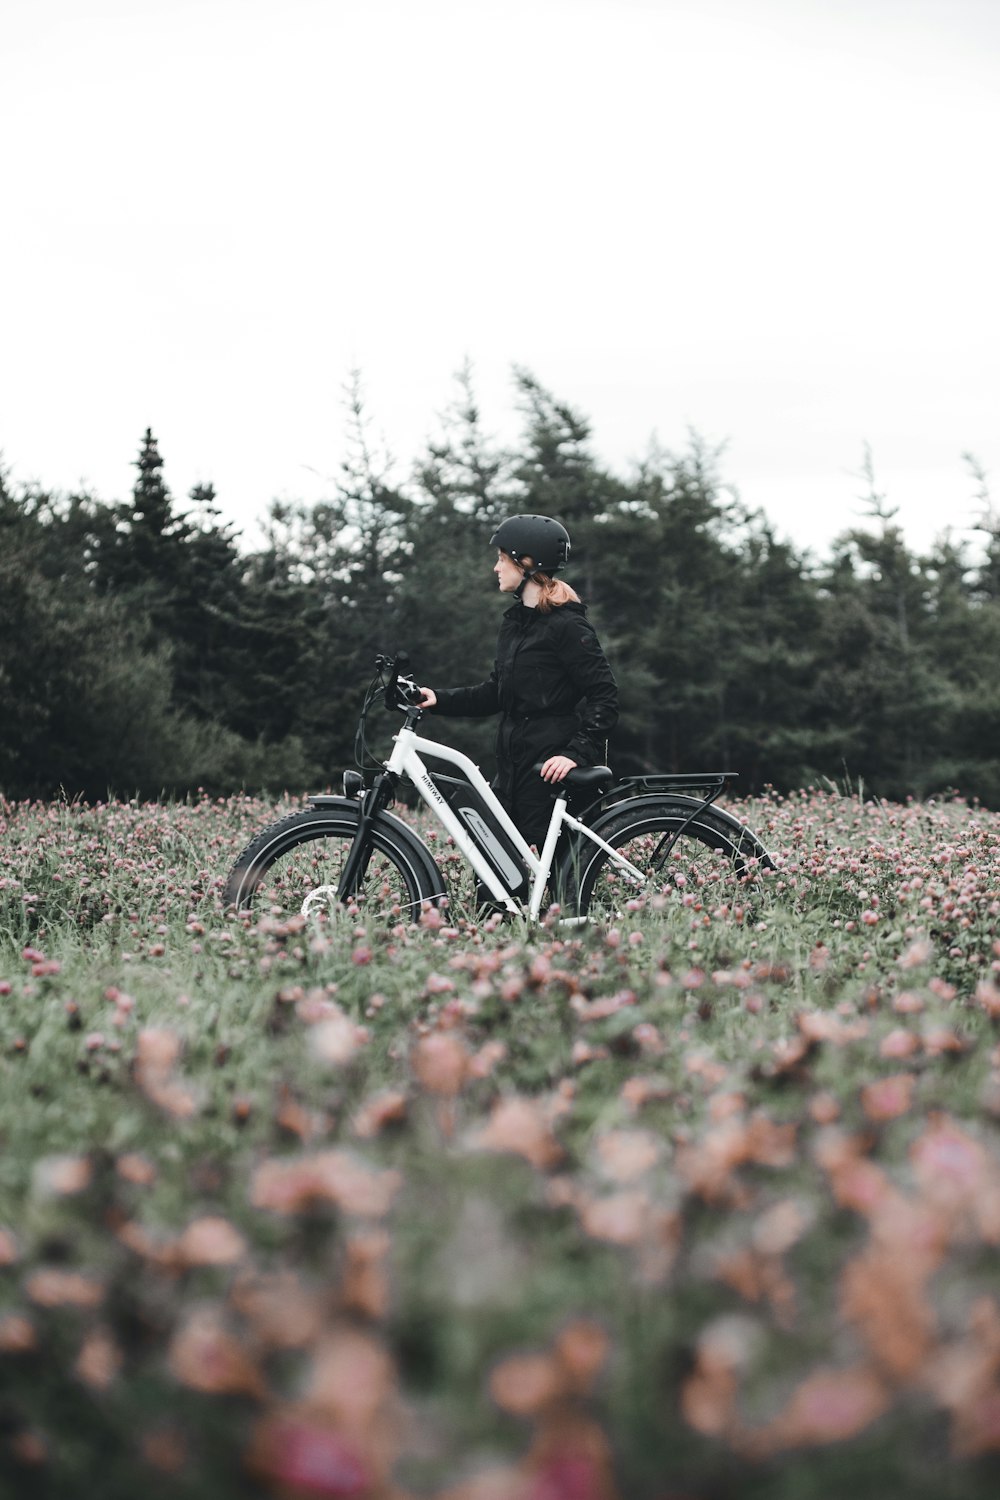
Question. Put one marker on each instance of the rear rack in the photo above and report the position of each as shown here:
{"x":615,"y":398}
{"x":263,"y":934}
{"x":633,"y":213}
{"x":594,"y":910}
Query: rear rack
{"x":708,"y":784}
{"x":659,"y":781}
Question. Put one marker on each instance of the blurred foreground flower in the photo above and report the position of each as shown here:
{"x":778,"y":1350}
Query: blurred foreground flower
{"x":210,"y":1241}
{"x":440,"y":1063}
{"x":294,"y":1185}
{"x":99,"y":1360}
{"x":157,"y":1052}
{"x":959,"y":1178}
{"x":53,"y":1287}
{"x":521,"y":1127}
{"x":206,"y":1356}
{"x":828,"y":1406}
{"x":965,"y":1378}
{"x":341,"y":1438}
{"x":280,"y":1310}
{"x":569,"y":1457}
{"x":887,"y":1098}
{"x":62,"y":1176}
{"x":724,"y":1350}
{"x":375,"y":1113}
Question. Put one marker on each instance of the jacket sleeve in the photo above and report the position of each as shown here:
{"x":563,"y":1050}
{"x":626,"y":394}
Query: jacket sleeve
{"x":469,"y":702}
{"x":588,"y":670}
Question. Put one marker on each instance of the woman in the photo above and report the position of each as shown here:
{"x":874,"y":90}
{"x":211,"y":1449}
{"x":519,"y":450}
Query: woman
{"x":551,"y":683}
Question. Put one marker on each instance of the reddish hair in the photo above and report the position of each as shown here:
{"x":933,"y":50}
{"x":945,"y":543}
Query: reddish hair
{"x":552,"y":591}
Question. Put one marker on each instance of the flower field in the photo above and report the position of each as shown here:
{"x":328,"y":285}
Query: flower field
{"x":702,"y":1205}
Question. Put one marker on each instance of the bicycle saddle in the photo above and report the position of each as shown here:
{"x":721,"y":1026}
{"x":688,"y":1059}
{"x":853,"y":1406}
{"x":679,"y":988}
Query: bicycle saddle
{"x":581,"y":779}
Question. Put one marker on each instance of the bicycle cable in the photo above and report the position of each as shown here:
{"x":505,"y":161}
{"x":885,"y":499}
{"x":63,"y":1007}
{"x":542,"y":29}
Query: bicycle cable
{"x":362,"y":760}
{"x":400,"y":687}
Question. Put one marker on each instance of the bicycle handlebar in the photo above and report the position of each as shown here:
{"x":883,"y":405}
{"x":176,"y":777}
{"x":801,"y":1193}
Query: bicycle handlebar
{"x":400,"y":691}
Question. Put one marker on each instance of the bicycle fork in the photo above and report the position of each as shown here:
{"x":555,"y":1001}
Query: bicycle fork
{"x":376,"y":800}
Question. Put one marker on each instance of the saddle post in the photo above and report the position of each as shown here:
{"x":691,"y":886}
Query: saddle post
{"x":547,"y":853}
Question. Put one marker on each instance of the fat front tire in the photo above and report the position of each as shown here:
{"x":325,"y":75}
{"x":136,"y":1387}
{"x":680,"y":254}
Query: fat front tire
{"x":293,"y":868}
{"x":712,"y":850}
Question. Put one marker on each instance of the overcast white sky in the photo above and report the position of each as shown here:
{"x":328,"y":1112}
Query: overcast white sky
{"x":774,"y":221}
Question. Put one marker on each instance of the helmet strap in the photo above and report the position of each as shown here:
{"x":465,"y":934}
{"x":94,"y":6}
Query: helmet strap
{"x":525,"y":576}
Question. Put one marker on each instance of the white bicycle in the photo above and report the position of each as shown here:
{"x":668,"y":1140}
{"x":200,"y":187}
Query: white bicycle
{"x":607,"y":842}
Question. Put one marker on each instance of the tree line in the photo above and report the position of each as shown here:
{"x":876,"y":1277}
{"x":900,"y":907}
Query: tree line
{"x":144,"y":650}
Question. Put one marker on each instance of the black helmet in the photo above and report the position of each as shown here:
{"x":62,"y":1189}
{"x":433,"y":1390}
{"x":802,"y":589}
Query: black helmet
{"x":545,"y":541}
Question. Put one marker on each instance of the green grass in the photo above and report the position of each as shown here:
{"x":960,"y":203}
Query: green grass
{"x":655,"y":1142}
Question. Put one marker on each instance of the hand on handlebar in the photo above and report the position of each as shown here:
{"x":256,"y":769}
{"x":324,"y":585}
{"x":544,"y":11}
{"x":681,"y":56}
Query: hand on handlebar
{"x":557,"y":768}
{"x":428,"y":697}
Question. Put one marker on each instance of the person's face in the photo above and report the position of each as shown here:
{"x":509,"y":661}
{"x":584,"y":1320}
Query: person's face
{"x":509,"y":575}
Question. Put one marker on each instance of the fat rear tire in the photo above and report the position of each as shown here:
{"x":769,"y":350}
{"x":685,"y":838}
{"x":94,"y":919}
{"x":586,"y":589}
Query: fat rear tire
{"x":713,"y":848}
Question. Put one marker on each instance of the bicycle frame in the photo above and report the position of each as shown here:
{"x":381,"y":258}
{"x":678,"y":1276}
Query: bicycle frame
{"x":405,"y":760}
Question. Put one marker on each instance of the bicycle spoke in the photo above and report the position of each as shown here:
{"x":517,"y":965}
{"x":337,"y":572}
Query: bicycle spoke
{"x":682,"y":859}
{"x":297,"y":871}
{"x":306,"y":879}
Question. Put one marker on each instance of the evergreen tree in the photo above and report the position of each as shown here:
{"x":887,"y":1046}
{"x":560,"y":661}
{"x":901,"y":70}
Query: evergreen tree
{"x":208,"y":613}
{"x":776,"y":719}
{"x":465,"y":481}
{"x":879,"y":677}
{"x":963,"y":751}
{"x":85,"y":705}
{"x":668,"y":577}
{"x":144,"y":557}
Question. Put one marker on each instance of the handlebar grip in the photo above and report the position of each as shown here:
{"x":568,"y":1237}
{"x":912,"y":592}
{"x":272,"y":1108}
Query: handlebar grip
{"x":399,"y":664}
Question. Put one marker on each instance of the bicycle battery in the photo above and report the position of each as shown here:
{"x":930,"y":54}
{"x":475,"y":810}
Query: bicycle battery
{"x":493,"y":842}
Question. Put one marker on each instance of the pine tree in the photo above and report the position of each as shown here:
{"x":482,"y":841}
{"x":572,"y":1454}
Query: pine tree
{"x":143,"y":557}
{"x":878,"y":676}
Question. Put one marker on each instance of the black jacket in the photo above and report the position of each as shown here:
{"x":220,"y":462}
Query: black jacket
{"x":552,"y":685}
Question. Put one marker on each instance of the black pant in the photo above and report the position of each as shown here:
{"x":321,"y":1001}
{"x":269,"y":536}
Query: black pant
{"x":529,"y":799}
{"x":522,"y":744}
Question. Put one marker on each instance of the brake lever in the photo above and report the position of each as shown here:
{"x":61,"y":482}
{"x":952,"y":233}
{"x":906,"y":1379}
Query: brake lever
{"x":399,"y":692}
